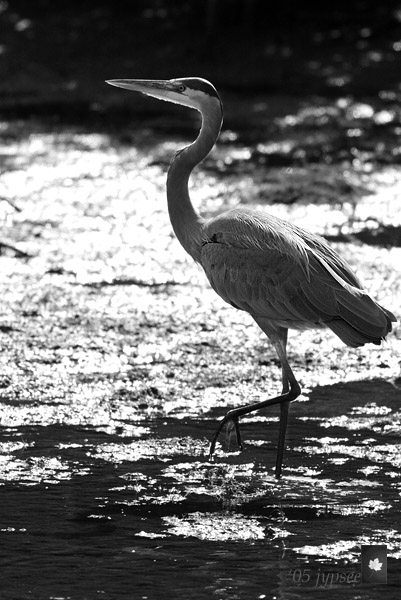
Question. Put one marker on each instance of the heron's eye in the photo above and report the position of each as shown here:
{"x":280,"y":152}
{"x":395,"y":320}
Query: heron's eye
{"x":182,"y":88}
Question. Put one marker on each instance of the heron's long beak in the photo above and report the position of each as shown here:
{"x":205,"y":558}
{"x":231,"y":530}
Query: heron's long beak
{"x":156,"y":88}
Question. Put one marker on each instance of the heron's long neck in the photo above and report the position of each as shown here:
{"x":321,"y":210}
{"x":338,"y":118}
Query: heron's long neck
{"x":186,"y":222}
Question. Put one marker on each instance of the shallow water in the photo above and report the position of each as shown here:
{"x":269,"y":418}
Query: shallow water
{"x":118,"y":360}
{"x":88,"y":512}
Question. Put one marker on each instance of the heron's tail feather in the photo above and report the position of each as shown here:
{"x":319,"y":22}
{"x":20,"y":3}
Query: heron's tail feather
{"x":360,"y":319}
{"x":349,"y":335}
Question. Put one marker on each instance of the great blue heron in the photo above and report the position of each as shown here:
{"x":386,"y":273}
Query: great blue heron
{"x":283,"y":276}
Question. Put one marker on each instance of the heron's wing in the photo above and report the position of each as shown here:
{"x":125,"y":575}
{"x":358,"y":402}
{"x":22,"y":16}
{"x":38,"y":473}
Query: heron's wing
{"x":329,"y":256}
{"x":289,"y":281}
{"x":265,"y":283}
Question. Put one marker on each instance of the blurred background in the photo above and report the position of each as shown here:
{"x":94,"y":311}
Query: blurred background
{"x":55,"y":55}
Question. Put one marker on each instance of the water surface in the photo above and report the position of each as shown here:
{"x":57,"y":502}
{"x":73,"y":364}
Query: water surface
{"x":117,"y":360}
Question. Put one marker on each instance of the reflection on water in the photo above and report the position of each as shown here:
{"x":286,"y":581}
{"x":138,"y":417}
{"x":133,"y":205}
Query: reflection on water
{"x":113,"y":376}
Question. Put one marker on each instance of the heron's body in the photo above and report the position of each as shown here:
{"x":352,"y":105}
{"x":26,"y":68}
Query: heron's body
{"x":282,"y":275}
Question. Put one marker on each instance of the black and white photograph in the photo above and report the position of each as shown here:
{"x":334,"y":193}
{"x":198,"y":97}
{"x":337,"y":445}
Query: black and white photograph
{"x":200,"y":273}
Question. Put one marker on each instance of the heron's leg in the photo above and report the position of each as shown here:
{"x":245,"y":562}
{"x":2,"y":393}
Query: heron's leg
{"x":234,"y":414}
{"x":286,"y":373}
{"x":231,"y":417}
{"x":291,"y":390}
{"x":235,"y":425}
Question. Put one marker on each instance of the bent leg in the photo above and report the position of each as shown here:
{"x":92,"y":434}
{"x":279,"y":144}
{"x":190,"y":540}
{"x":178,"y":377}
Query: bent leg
{"x":291,"y":390}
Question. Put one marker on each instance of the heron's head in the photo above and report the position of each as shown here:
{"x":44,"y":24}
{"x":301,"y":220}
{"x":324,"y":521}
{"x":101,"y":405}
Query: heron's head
{"x":189,"y":91}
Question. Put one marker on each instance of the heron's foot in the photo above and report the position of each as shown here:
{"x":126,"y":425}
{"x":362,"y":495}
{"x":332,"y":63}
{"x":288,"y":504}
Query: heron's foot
{"x":230,"y":420}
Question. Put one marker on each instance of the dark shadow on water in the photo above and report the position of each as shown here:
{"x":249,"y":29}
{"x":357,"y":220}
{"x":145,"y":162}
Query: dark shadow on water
{"x":386,"y":236}
{"x":170,"y":510}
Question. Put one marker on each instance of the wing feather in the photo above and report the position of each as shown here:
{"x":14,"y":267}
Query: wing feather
{"x":274,"y":270}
